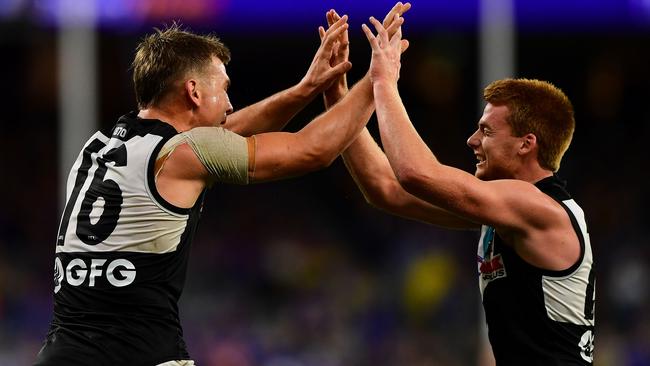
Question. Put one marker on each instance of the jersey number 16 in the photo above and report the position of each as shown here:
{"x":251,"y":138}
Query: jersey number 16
{"x":106,"y":189}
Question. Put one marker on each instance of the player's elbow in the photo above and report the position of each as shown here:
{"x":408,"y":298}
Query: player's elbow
{"x":410,"y":179}
{"x":322,"y":155}
{"x":383,"y":194}
{"x":314,"y":159}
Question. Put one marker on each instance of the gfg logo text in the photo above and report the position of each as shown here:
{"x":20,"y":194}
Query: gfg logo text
{"x":118,"y":272}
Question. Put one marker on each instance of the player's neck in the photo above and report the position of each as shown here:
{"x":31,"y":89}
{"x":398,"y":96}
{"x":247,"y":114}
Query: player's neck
{"x":533,"y":174}
{"x":179,"y":120}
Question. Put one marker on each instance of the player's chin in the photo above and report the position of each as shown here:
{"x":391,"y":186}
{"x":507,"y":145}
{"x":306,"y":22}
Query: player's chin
{"x":481,"y":173}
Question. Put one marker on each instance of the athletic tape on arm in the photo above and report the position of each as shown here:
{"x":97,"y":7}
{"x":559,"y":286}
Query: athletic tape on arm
{"x":223,"y":153}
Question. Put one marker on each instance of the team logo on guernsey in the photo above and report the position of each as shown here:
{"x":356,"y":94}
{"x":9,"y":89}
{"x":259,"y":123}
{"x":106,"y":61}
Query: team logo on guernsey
{"x":492,"y":268}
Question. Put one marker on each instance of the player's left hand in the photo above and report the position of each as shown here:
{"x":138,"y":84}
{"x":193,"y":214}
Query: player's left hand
{"x":340,"y":54}
{"x":331,"y":60}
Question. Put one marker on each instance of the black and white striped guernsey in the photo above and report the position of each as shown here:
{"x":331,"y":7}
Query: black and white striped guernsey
{"x":536,"y":316}
{"x":121,"y":255}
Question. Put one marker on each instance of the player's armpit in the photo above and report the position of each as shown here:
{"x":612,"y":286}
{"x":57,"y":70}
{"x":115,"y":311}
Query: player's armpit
{"x":179,"y":176}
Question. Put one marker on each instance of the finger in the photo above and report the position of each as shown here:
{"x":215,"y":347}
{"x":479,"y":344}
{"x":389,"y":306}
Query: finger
{"x":321,"y":33}
{"x":398,"y":9}
{"x":391,"y":14}
{"x":335,"y":15}
{"x":333,"y":34}
{"x":344,"y":38}
{"x":394,"y":25}
{"x":381,"y":31}
{"x":404,"y":45}
{"x":330,"y":18}
{"x":371,"y":37}
{"x":340,"y":69}
{"x":337,"y":25}
{"x":405,"y":8}
{"x":397,"y":37}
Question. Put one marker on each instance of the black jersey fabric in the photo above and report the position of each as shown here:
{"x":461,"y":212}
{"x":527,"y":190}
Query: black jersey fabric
{"x":119,"y":272}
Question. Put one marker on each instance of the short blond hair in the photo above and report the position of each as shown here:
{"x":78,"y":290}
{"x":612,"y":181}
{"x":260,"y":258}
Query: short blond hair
{"x":540,"y":108}
{"x":167,"y":55}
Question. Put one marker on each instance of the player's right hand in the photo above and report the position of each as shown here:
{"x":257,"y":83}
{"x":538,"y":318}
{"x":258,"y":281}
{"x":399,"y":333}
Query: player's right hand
{"x":390,"y":24}
{"x":386,"y":51}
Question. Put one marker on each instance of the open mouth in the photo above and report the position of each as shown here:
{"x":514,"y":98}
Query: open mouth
{"x":481,"y":160}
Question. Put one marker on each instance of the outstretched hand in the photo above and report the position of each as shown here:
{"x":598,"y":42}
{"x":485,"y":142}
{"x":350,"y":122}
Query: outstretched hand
{"x":330,"y":61}
{"x":386,"y":50}
{"x":340,"y":54}
{"x":390,"y":24}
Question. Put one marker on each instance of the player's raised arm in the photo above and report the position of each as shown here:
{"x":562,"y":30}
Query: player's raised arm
{"x":274,"y":112}
{"x":279,"y":155}
{"x":372,"y":173}
{"x":365,"y":160}
{"x":202,"y":156}
{"x":418,"y":170}
{"x":320,"y":142}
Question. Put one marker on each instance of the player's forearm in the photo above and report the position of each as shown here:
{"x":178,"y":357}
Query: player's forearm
{"x":373,"y":175}
{"x":335,"y":93}
{"x":330,"y":133}
{"x":406,"y":151}
{"x":368,"y":167}
{"x":272,"y":113}
{"x":416,"y":168}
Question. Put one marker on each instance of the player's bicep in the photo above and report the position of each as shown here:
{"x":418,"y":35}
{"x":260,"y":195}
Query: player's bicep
{"x":509,"y":203}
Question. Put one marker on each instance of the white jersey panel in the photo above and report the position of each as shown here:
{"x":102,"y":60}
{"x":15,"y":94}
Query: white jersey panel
{"x":565,"y":297}
{"x":143,"y":224}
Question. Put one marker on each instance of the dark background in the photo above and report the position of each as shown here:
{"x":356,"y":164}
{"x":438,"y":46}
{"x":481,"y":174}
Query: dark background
{"x":303,"y":271}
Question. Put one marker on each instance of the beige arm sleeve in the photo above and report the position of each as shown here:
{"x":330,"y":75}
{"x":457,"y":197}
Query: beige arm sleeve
{"x":223,"y":153}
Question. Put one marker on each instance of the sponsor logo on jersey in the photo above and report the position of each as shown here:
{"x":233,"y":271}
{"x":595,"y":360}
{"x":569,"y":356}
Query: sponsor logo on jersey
{"x":118,"y":272}
{"x":58,"y":274}
{"x":492,"y":268}
{"x":587,"y":346}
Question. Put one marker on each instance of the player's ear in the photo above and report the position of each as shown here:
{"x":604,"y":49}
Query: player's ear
{"x":528,"y":143}
{"x":191,"y":91}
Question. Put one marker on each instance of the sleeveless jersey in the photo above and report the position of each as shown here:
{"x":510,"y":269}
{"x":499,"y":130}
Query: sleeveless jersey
{"x":537,"y":316}
{"x":121,"y":255}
